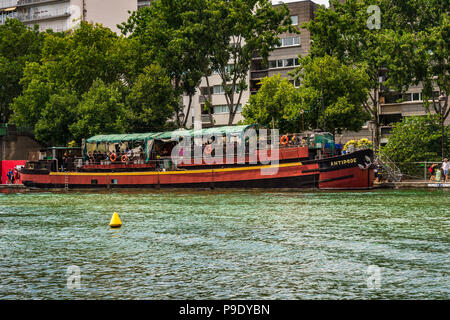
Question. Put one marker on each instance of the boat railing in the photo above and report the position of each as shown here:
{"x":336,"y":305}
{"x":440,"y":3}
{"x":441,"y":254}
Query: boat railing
{"x":388,"y":166}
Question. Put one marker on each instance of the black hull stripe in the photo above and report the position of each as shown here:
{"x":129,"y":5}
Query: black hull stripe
{"x":310,"y":181}
{"x":336,"y":179}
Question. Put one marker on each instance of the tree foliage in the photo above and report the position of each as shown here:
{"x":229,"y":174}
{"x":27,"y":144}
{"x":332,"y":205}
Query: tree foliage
{"x":192,"y":39}
{"x":101,"y":111}
{"x":88,"y":69}
{"x":409,"y":46}
{"x":344,"y":90}
{"x":416,"y":139}
{"x":18,"y":45}
{"x":173,"y":35}
{"x":277,"y":104}
{"x":152,"y":100}
{"x":244,"y":28}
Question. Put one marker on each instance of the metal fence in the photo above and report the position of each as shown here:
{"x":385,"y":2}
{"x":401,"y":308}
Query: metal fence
{"x":419,"y":170}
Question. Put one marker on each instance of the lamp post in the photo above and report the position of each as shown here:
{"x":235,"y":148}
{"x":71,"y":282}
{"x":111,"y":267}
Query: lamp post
{"x":323,"y":103}
{"x":442,"y":102}
{"x":303,"y":120}
{"x":371,"y":125}
{"x":181,"y":118}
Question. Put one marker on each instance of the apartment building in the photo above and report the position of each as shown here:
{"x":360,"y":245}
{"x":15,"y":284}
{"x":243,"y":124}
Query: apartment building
{"x":282,"y":60}
{"x":63,"y":15}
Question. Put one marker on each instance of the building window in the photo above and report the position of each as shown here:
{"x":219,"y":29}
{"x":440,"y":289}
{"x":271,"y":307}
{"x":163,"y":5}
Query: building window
{"x":417,"y":96}
{"x":228,"y":69}
{"x":204,"y":90}
{"x":290,"y":41}
{"x":283,"y":63}
{"x":218,"y":90}
{"x":294,"y":20}
{"x":406,"y":97}
{"x":143,"y":3}
{"x":224,"y":109}
{"x":295,"y":82}
{"x":288,"y":62}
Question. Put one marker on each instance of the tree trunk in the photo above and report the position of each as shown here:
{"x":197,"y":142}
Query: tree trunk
{"x":231,"y":117}
{"x":443,"y":137}
{"x":188,"y":111}
{"x":376,"y":135}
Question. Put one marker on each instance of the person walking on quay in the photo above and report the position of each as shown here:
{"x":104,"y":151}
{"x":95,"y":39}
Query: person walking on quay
{"x":8,"y":174}
{"x":445,"y":168}
{"x":16,"y":176}
{"x":11,"y":174}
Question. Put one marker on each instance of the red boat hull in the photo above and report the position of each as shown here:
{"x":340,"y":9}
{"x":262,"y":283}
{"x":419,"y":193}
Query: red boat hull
{"x":343,"y":172}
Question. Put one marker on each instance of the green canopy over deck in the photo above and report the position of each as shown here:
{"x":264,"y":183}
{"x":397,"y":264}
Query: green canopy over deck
{"x":116,"y":138}
{"x":226,"y":130}
{"x":149,"y":137}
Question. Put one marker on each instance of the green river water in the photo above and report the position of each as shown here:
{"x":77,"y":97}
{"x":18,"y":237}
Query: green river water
{"x":227,"y":245}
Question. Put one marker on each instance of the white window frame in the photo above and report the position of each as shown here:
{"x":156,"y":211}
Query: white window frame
{"x":294,"y":20}
{"x":224,"y":109}
{"x":282,"y":63}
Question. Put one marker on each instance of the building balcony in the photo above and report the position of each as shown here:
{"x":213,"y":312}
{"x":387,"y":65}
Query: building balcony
{"x":205,"y":118}
{"x":258,"y":74}
{"x":27,"y":18}
{"x":24,"y":3}
{"x":206,"y":123}
{"x":8,"y":3}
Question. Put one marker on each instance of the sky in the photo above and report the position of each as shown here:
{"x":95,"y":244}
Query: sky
{"x":325,"y":2}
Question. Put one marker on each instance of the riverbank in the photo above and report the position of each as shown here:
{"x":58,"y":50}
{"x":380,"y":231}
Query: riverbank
{"x":13,"y":188}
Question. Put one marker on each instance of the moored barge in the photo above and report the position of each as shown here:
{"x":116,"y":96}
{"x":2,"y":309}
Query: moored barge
{"x":147,"y":160}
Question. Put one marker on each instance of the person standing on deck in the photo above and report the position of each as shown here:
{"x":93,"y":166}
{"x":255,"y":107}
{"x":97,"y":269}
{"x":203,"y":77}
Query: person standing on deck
{"x":445,"y":168}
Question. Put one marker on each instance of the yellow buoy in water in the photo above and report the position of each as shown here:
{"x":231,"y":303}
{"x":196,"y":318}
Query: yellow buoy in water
{"x":115,"y":221}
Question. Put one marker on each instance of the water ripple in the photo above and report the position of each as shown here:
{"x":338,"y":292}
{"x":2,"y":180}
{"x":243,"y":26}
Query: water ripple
{"x":226,"y":245}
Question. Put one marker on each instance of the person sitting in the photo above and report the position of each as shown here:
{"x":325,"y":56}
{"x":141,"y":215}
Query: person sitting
{"x":432,"y":170}
{"x":378,"y":172}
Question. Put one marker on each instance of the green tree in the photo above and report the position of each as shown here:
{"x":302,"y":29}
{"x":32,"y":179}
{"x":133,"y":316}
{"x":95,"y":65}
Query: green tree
{"x":59,"y":113}
{"x":426,"y":24}
{"x":344,"y":93}
{"x":172,"y":34}
{"x":18,"y":45}
{"x":437,"y":71}
{"x":277,"y":104}
{"x":415,"y":139}
{"x":192,"y":39}
{"x":91,"y":52}
{"x":68,"y":67}
{"x":243,"y":28}
{"x":408,"y":47}
{"x":28,"y":106}
{"x":342,"y":31}
{"x":152,"y":100}
{"x":102,"y":111}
